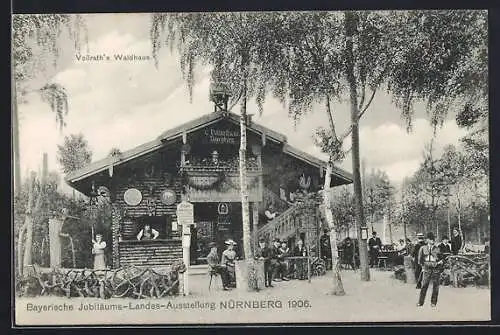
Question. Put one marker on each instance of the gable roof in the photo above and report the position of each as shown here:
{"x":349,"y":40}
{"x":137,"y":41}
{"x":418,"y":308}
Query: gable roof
{"x":201,"y":122}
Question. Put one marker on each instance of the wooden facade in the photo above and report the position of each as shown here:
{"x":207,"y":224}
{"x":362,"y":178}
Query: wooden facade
{"x":199,"y":162}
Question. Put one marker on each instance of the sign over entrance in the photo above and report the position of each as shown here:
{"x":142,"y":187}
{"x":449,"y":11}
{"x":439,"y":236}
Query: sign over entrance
{"x":185,"y":213}
{"x":222,"y":136}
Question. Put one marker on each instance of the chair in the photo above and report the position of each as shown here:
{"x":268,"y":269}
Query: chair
{"x":382,"y":259}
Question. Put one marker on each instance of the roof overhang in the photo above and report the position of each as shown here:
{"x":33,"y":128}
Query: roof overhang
{"x":77,"y":177}
{"x":212,"y":118}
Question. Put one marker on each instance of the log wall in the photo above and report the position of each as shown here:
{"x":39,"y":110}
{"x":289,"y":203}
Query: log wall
{"x":158,"y":186}
{"x":125,"y":224}
{"x":150,"y":253}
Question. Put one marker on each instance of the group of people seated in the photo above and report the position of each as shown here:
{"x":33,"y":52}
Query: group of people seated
{"x":278,"y":266}
{"x":225,"y":267}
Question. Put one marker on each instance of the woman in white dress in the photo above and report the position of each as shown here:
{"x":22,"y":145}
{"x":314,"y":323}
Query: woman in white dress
{"x":98,"y":251}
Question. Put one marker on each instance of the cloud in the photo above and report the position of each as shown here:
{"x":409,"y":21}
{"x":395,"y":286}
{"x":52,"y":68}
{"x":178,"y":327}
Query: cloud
{"x":389,"y":147}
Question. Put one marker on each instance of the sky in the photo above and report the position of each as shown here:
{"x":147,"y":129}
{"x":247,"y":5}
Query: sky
{"x":122,"y":104}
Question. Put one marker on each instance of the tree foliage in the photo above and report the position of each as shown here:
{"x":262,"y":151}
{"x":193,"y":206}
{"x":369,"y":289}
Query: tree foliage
{"x":35,"y":47}
{"x":448,"y":185}
{"x":379,"y":194}
{"x":224,"y":42}
{"x":343,"y":208}
{"x":74,"y":153}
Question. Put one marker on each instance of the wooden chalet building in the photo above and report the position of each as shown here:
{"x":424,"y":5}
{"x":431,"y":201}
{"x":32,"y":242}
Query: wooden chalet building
{"x":198,"y":161}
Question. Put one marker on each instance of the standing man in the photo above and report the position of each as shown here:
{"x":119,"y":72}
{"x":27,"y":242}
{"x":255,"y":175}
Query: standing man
{"x":263,"y":253}
{"x":444,"y":246}
{"x":214,"y":266}
{"x":374,"y":245}
{"x":325,"y":249}
{"x":430,"y":259}
{"x":418,"y":268}
{"x":456,"y":241}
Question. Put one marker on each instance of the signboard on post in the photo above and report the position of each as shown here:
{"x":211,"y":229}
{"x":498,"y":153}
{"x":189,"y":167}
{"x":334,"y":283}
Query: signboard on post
{"x":185,"y":213}
{"x":185,"y":217}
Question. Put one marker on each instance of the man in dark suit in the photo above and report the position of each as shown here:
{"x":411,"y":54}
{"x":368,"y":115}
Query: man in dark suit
{"x":263,"y":253}
{"x":445,"y":246}
{"x":276,"y":264}
{"x":374,"y":245}
{"x":456,"y":241}
{"x":418,"y":268}
{"x":431,"y":260}
{"x":325,"y":249}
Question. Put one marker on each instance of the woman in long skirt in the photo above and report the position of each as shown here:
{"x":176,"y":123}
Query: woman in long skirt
{"x":98,"y":251}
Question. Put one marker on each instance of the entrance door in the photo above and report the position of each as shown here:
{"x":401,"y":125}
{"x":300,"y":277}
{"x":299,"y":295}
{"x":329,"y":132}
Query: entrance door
{"x":216,"y":222}
{"x":229,"y":226}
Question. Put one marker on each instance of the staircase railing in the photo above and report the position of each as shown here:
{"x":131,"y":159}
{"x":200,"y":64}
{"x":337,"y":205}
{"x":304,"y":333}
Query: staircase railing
{"x":272,"y":198}
{"x":283,"y":226}
{"x":300,"y":217}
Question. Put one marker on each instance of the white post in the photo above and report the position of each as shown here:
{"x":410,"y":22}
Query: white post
{"x":55,"y":226}
{"x":186,"y":244}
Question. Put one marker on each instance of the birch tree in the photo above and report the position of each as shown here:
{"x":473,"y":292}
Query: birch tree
{"x":231,"y":45}
{"x":35,"y":51}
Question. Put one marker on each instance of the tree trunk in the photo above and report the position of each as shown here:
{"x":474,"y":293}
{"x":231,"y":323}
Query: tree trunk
{"x":338,"y":288}
{"x":28,"y":246}
{"x":15,"y":141}
{"x":459,"y":217}
{"x":245,"y":212}
{"x":437,"y":230}
{"x":351,"y":27}
{"x":404,"y":226}
{"x":28,"y":224}
{"x":449,"y":220}
{"x":20,"y":249}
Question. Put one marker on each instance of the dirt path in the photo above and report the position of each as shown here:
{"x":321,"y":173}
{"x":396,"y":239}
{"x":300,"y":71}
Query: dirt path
{"x":382,"y":299}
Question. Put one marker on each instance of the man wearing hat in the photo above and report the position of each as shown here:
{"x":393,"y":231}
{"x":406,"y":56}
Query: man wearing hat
{"x":214,"y":266}
{"x":275,"y":263}
{"x":281,"y":254}
{"x":418,"y":268}
{"x":374,"y":245}
{"x":263,"y":253}
{"x":325,"y":249}
{"x":430,"y":259}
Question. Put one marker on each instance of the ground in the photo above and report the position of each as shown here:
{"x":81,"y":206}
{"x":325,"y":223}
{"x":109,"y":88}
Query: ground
{"x":382,"y":299}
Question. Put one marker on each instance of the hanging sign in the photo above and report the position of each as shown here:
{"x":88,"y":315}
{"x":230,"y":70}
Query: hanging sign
{"x":186,"y":230}
{"x":186,"y":241}
{"x":132,"y":197}
{"x":222,"y":136}
{"x":223,"y":208}
{"x":168,"y":197}
{"x":185,"y":213}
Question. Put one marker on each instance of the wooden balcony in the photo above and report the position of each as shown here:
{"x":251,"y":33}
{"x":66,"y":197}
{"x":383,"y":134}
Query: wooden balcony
{"x":208,"y":182}
{"x":197,"y":166}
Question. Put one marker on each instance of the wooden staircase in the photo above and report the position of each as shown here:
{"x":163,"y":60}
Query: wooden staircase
{"x":297,"y":218}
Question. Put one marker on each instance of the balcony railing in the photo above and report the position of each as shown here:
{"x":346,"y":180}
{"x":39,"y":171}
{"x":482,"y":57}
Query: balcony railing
{"x":232,"y":165}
